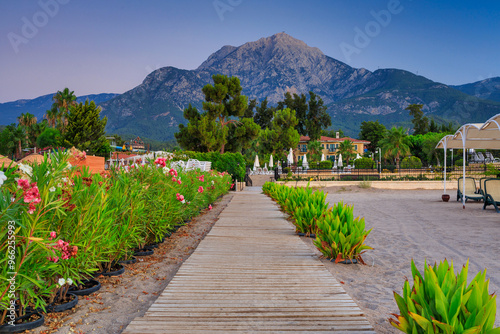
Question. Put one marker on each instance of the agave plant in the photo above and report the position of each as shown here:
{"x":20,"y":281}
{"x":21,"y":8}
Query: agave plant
{"x":340,"y":236}
{"x":442,"y":302}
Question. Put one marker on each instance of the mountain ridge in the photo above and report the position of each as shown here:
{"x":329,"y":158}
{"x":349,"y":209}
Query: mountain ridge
{"x":274,"y":65}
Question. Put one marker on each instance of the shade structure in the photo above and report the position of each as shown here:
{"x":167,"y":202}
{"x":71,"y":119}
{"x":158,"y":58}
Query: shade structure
{"x":322,"y":156}
{"x":357,"y":156}
{"x":305,"y":164}
{"x":256,"y":163}
{"x":290,"y":157}
{"x":339,"y":163}
{"x":6,"y":161}
{"x":271,"y":162}
{"x":335,"y":164}
{"x":33,"y":158}
{"x":472,"y":135}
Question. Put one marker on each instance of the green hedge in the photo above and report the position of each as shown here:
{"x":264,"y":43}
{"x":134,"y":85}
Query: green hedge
{"x":233,"y":163}
{"x":411,"y":162}
{"x":364,"y":163}
{"x":327,"y":164}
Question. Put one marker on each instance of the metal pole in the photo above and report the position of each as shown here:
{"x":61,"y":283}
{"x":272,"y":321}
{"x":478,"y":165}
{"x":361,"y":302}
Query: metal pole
{"x":444,"y":144}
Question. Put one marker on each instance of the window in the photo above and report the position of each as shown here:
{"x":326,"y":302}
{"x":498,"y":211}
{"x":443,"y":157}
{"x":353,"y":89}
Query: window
{"x":322,"y":145}
{"x":356,"y":147}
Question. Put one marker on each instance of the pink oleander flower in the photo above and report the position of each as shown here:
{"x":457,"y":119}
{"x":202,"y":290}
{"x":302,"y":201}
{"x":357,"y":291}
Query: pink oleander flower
{"x":180,"y":197}
{"x":210,"y":207}
{"x":174,"y":179}
{"x":173,"y":172}
{"x":201,"y":178}
{"x":24,"y":184}
{"x":179,"y":181}
{"x":161,"y":162}
{"x":52,"y":235}
{"x":31,"y":209}
{"x":200,"y":189}
{"x":232,"y":185}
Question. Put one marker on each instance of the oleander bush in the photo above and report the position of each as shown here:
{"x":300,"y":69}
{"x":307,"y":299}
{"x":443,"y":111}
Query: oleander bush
{"x":67,"y":223}
{"x":441,"y":301}
{"x":364,"y":163}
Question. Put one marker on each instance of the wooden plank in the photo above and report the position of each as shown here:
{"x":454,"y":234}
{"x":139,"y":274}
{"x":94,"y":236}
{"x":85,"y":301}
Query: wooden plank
{"x":251,"y":273}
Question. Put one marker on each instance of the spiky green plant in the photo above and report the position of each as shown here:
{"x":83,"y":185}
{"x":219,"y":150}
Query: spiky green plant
{"x":340,"y":236}
{"x":442,"y":302}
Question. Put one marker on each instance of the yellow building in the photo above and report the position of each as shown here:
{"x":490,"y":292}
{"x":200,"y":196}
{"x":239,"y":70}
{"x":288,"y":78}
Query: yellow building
{"x":329,"y":146}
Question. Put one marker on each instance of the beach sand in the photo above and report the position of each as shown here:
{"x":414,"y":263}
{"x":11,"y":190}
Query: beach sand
{"x":413,"y":224}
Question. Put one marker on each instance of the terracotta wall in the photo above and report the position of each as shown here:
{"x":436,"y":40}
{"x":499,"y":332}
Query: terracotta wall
{"x":95,"y":164}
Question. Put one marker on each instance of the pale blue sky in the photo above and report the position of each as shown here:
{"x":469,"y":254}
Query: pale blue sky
{"x":109,"y":46}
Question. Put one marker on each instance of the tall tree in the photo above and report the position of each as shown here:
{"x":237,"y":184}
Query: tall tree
{"x":299,"y":104}
{"x":282,"y":133}
{"x":85,"y":129}
{"x":223,"y":100}
{"x":373,"y":132}
{"x":51,"y":115}
{"x":332,"y":133}
{"x":313,"y":150}
{"x":264,"y":114}
{"x":249,"y":113}
{"x":63,"y":100}
{"x":317,"y":118}
{"x":420,"y":122}
{"x":395,"y":144}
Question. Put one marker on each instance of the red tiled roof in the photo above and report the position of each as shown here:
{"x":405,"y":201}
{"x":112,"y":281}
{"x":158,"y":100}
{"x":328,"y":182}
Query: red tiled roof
{"x":330,"y":139}
{"x":119,"y":155}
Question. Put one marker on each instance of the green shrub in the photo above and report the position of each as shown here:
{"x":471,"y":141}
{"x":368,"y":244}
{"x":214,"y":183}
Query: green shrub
{"x":233,"y":163}
{"x":327,"y":164}
{"x":491,"y":170}
{"x":339,"y":236}
{"x":460,"y":162}
{"x":364,"y":163}
{"x":440,"y":301}
{"x":411,"y":162}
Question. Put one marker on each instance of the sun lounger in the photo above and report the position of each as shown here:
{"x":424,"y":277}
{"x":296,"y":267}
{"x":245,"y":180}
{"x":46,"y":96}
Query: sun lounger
{"x":492,"y":193}
{"x":471,"y":191}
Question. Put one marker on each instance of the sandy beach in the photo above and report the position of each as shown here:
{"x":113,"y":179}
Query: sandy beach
{"x":413,"y":224}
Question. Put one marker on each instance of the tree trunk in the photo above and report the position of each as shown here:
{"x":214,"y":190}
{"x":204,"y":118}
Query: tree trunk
{"x":222,"y":148}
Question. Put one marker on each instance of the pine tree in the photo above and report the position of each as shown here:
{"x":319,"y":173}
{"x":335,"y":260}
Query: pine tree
{"x":85,"y":129}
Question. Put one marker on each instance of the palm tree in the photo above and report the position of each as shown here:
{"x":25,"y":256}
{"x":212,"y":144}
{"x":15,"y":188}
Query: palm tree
{"x":17,"y":140}
{"x":346,"y":148}
{"x":63,"y":101}
{"x":51,"y":115}
{"x":395,"y":144}
{"x":27,"y":121}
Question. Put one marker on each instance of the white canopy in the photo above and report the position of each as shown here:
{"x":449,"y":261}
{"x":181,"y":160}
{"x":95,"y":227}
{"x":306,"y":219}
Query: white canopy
{"x":472,"y":135}
{"x":340,"y":163}
{"x":271,"y":162}
{"x":305,"y":164}
{"x":323,"y":157}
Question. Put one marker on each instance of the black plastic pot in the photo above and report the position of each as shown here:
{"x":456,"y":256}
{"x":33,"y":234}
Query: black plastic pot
{"x":132,"y":260}
{"x":143,"y":252}
{"x":90,"y":286}
{"x":168,"y":234}
{"x":6,"y":328}
{"x":310,"y":235}
{"x":120,"y":269}
{"x":63,"y":307}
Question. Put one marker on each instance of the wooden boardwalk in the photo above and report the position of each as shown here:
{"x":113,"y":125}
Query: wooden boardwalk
{"x":252,"y":274}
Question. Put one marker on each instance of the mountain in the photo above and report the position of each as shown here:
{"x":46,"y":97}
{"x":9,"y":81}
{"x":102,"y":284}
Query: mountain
{"x":485,"y":89}
{"x":271,"y":66}
{"x":9,"y":111}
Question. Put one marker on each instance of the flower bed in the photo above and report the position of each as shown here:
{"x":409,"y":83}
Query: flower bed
{"x":64,"y":226}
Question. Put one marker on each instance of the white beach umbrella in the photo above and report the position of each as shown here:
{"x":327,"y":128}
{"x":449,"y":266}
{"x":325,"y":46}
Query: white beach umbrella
{"x":335,"y":164}
{"x":265,"y":165}
{"x":357,"y":156}
{"x":322,"y":156}
{"x":271,"y":162}
{"x":305,"y":164}
{"x":290,"y":157}
{"x":340,"y":164}
{"x":256,"y":163}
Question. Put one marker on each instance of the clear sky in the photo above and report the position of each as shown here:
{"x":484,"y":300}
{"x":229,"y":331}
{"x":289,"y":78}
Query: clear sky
{"x":109,"y":46}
